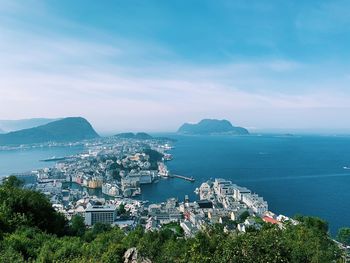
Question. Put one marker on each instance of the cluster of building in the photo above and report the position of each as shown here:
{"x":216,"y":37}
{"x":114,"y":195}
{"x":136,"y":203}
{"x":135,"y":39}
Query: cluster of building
{"x":100,"y":210}
{"x":231,"y":196}
{"x":116,"y":166}
{"x":119,"y":168}
{"x":221,"y":202}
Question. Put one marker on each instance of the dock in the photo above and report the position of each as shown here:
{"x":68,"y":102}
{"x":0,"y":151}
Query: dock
{"x":191,"y":179}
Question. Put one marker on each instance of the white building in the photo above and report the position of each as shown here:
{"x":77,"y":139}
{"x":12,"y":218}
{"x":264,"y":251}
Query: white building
{"x":223,"y":187}
{"x":100,"y":214}
{"x":256,"y":203}
{"x":238,"y":192}
{"x":188,"y":228}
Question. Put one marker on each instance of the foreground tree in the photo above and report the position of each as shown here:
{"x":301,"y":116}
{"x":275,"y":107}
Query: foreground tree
{"x":22,"y":207}
{"x":344,"y":236}
{"x":33,"y":231}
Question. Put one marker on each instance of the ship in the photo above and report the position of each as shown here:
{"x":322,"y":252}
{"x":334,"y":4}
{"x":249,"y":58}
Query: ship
{"x":53,"y":159}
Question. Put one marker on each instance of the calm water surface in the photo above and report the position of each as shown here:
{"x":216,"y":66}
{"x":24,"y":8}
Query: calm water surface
{"x":299,"y":174}
{"x":295,"y":174}
{"x":16,"y":161}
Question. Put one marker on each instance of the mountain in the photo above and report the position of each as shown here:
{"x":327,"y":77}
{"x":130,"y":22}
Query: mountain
{"x":2,"y":131}
{"x":15,"y":125}
{"x":212,"y":126}
{"x":130,"y":135}
{"x":64,"y":130}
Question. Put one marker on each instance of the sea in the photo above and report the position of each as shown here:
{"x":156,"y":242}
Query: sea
{"x":295,"y":174}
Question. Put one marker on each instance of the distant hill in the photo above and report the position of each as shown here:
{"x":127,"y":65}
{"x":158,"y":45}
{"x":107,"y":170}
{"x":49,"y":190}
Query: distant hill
{"x":130,"y":135}
{"x":2,"y":131}
{"x":67,"y":129}
{"x":15,"y":125}
{"x":212,"y":126}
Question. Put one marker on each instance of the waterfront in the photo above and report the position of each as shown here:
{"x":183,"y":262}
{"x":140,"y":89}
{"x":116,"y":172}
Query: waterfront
{"x":295,"y":174}
{"x":300,"y":174}
{"x":17,"y":161}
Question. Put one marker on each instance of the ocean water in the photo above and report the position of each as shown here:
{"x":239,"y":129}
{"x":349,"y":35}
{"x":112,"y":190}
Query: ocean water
{"x":17,"y":161}
{"x":294,"y":174}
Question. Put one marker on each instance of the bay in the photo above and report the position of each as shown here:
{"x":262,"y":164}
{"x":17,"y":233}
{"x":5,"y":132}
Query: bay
{"x":294,"y":174}
{"x":24,"y":160}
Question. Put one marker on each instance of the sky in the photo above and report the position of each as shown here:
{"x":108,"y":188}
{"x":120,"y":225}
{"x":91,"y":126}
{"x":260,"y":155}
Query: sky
{"x":153,"y":65}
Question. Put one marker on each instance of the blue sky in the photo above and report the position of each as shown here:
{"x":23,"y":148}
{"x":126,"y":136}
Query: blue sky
{"x":152,"y":65}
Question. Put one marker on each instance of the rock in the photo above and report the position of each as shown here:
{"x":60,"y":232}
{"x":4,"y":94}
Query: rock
{"x":132,"y":256}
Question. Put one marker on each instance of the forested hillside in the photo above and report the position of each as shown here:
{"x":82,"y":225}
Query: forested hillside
{"x":32,"y":231}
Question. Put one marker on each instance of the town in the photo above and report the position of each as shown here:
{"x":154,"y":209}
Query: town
{"x":114,"y":170}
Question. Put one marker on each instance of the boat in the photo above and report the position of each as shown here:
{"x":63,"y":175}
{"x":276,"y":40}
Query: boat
{"x":53,"y":159}
{"x":346,"y":168}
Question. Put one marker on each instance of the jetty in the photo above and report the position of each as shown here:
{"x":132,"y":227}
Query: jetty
{"x":191,"y":179}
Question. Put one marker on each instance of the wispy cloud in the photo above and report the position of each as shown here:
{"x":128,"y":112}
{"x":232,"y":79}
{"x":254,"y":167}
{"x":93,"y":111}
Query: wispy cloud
{"x":122,"y":84}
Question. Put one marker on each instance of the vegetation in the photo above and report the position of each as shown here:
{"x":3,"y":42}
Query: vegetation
{"x":344,"y":236}
{"x":243,"y":217}
{"x":32,"y":231}
{"x":154,"y":158}
{"x":121,"y":209}
{"x":25,"y":208}
{"x":175,"y":228}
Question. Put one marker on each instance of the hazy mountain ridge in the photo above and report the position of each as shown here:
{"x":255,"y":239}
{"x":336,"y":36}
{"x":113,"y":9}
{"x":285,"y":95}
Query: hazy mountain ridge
{"x":212,"y":126}
{"x":15,"y":125}
{"x":67,"y":129}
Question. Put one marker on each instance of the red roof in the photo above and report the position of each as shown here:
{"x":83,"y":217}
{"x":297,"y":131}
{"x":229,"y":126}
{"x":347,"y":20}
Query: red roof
{"x":270,"y":220}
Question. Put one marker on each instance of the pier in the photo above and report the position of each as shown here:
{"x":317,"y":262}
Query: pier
{"x":191,"y":179}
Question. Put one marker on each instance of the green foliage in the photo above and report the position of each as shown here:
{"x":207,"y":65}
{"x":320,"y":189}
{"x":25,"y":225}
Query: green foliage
{"x":78,"y":226}
{"x":344,"y":236}
{"x":121,"y":209}
{"x":308,"y":243}
{"x":35,"y":240}
{"x":25,"y":241}
{"x":114,"y":254}
{"x":11,"y":181}
{"x":21,"y":207}
{"x":313,"y":222}
{"x":243,"y":216}
{"x":176,"y":228}
{"x":270,"y":244}
{"x":154,"y":158}
{"x":9,"y":254}
{"x":99,"y":228}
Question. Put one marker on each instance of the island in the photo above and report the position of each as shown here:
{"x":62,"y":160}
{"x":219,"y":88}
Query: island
{"x":130,"y":135}
{"x":65,"y":130}
{"x":212,"y":127}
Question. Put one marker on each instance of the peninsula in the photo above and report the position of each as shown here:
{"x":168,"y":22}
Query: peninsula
{"x":64,"y":130}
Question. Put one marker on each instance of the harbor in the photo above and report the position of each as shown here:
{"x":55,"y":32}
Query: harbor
{"x":190,"y":179}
